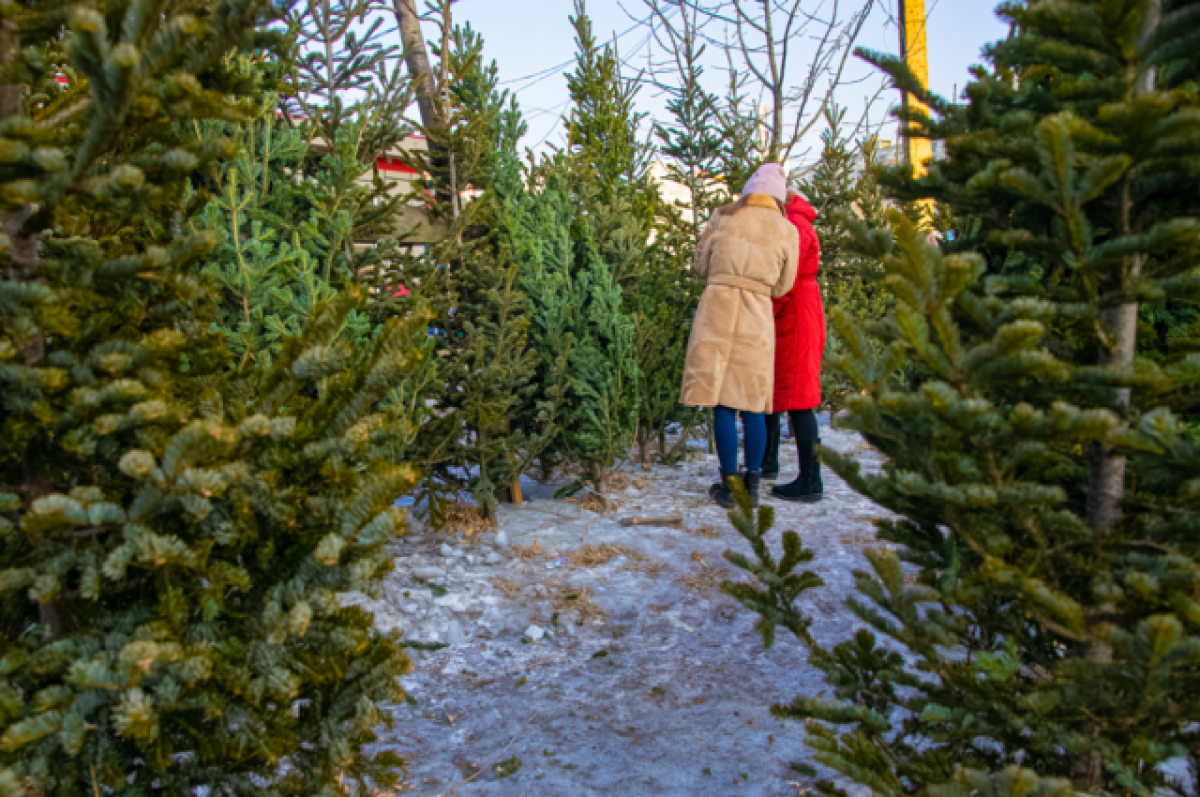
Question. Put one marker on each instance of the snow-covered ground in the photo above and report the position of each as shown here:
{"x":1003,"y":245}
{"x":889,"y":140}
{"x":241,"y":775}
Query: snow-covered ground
{"x":589,"y":658}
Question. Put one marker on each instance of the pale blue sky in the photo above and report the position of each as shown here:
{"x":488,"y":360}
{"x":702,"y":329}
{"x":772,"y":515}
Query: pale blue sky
{"x":528,"y":36}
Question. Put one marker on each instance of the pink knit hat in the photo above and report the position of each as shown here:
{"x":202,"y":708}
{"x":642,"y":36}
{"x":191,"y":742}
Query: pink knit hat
{"x":770,"y":179}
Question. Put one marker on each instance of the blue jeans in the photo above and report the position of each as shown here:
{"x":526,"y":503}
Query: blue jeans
{"x":725,"y":432}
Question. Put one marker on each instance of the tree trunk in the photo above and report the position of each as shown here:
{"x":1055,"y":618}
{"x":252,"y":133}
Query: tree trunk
{"x":417,"y":58}
{"x":599,"y":478}
{"x":1106,"y":478}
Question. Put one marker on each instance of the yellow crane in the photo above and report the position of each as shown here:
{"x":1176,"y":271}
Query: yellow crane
{"x":913,"y":49}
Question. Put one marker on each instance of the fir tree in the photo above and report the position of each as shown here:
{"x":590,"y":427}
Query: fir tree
{"x":842,"y":188}
{"x":272,"y":270}
{"x":292,"y":209}
{"x":175,"y":536}
{"x":740,"y":153}
{"x":347,"y":86}
{"x":663,"y":309}
{"x":1044,"y":581}
{"x":602,"y":125}
{"x":692,"y":141}
{"x":667,"y":291}
{"x":581,"y":330}
{"x":548,"y":283}
{"x":498,"y":427}
{"x":492,"y":428}
{"x":615,"y":204}
{"x":347,"y":71}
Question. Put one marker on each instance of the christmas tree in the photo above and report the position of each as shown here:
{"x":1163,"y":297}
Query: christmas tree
{"x":300,"y":209}
{"x":615,"y":204}
{"x":272,"y":271}
{"x":843,"y":189}
{"x":663,"y":308}
{"x":175,"y":534}
{"x":1035,"y":628}
{"x":668,"y":291}
{"x":496,"y":429}
{"x":491,"y":428}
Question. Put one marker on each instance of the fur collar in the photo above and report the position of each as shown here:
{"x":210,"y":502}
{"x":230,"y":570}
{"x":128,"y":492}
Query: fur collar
{"x":751,"y":201}
{"x":761,"y":201}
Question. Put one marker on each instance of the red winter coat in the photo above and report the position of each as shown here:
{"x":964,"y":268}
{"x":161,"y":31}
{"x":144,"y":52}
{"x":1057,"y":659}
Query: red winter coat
{"x":800,"y":323}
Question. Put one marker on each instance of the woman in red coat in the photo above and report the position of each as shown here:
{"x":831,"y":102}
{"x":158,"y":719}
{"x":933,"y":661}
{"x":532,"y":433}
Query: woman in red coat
{"x":799,"y":348}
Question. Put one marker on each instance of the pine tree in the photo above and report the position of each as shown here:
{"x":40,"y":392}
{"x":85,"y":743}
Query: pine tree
{"x":498,"y":429}
{"x":842,"y":188}
{"x":580,"y":329}
{"x":491,"y":428}
{"x":663,"y":308}
{"x":549,"y":285}
{"x":293,"y":207}
{"x":272,"y":270}
{"x":1043,"y":585}
{"x":692,"y":141}
{"x":348,"y":92}
{"x":602,"y":125}
{"x":740,"y":153}
{"x":175,"y":536}
{"x":615,"y":203}
{"x":664,"y":302}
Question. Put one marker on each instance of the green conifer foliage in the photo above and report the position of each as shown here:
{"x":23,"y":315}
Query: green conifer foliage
{"x":299,"y":210}
{"x":603,"y":361}
{"x":174,"y":536}
{"x":663,"y":309}
{"x":583,"y":334}
{"x":692,"y":140}
{"x":489,"y":381}
{"x":667,"y":293}
{"x":840,"y":196}
{"x":602,"y":126}
{"x":549,"y":285}
{"x":1035,"y":612}
{"x":612,"y":203}
{"x":492,"y":427}
{"x":273,"y":258}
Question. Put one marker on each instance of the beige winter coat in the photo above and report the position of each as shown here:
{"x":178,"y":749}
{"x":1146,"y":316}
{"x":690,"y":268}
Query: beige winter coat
{"x":749,"y":254}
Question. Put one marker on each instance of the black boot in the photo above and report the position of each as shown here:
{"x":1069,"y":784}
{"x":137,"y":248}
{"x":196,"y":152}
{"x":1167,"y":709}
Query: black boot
{"x":770,"y":465}
{"x":752,"y":481}
{"x":721,"y":493}
{"x":808,"y":488}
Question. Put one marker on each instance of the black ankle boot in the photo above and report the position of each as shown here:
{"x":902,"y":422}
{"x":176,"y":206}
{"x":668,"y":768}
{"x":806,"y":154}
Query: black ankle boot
{"x":808,"y":488}
{"x":812,"y":470}
{"x":752,"y":481}
{"x":770,"y":465}
{"x":721,"y":493}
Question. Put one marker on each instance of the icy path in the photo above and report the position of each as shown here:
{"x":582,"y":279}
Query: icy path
{"x":631,"y":676}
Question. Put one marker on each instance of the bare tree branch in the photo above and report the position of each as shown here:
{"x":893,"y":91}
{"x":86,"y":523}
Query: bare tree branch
{"x":769,"y":35}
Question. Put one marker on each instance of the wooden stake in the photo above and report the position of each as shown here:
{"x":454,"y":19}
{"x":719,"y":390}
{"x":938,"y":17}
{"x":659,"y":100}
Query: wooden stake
{"x":669,"y":520}
{"x":515,"y":487}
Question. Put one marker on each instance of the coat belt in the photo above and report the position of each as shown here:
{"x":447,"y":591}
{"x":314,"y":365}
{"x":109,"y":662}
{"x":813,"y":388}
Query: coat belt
{"x":730,"y":281}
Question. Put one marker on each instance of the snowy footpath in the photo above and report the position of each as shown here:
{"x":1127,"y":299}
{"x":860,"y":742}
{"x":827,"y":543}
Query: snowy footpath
{"x":585,"y":658}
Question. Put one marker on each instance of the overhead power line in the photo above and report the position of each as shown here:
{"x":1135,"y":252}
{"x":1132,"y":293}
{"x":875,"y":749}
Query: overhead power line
{"x":538,"y":77}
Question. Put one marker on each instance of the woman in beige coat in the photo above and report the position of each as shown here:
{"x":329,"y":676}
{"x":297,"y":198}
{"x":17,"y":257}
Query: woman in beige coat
{"x":748,"y":254}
